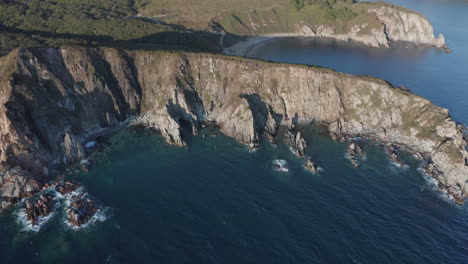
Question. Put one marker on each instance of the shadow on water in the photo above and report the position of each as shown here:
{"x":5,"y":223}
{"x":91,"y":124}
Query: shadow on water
{"x":214,"y":201}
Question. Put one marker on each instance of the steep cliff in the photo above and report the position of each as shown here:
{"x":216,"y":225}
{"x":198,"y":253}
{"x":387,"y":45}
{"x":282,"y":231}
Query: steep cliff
{"x":375,"y":24}
{"x":407,"y":26}
{"x":52,"y":98}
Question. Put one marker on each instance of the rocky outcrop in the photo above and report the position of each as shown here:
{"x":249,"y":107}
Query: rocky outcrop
{"x":406,"y":26}
{"x":368,"y":35}
{"x":67,"y":187}
{"x":40,"y":209}
{"x":81,"y":211}
{"x":280,"y":165}
{"x":298,"y":146}
{"x":355,"y":154}
{"x":176,"y":93}
{"x":295,"y":141}
{"x":391,"y":151}
{"x":311,"y":166}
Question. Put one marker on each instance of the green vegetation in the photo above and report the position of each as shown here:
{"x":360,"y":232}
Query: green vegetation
{"x":29,"y":23}
{"x":340,"y":16}
{"x":166,"y":24}
{"x":78,"y":17}
{"x":249,"y":16}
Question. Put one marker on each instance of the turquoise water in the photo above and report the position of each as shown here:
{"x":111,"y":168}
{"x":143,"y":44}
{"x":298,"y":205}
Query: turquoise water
{"x":216,"y":202}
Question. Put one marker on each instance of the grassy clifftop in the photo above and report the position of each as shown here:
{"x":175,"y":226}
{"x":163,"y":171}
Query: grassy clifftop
{"x":29,"y":23}
{"x":250,"y":17}
{"x":169,"y":23}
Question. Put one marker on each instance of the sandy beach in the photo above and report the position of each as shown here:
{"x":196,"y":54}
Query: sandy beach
{"x":244,"y":48}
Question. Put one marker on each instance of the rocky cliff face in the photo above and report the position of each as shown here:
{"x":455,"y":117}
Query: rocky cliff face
{"x":400,"y":25}
{"x":376,"y":25}
{"x":52,"y":98}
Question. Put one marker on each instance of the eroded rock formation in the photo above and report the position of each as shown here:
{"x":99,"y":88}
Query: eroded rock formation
{"x":51,"y":98}
{"x":81,"y":211}
{"x":380,"y":25}
{"x":407,"y":26}
{"x":38,"y":210}
{"x":355,"y":154}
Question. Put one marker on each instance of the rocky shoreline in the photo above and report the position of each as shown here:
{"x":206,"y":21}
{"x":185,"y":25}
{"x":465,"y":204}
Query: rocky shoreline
{"x":78,"y":206}
{"x":39,"y":210}
{"x":396,"y":26}
{"x":51,"y":97}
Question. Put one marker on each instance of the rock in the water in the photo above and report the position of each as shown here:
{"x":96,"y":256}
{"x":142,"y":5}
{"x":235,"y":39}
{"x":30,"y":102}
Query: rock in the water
{"x":355,"y":154}
{"x":298,"y":146}
{"x":391,"y":151}
{"x":311,"y":166}
{"x":67,"y":187}
{"x":253,"y":146}
{"x":81,"y":211}
{"x":4,"y":204}
{"x":296,"y":142}
{"x":37,"y":210}
{"x":280,"y":165}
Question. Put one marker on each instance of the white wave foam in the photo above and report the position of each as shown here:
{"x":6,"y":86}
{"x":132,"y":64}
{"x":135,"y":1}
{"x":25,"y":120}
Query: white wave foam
{"x":398,"y":166}
{"x":62,"y":201}
{"x":101,"y":215}
{"x":27,"y":226}
{"x":293,"y":151}
{"x":432,"y":184}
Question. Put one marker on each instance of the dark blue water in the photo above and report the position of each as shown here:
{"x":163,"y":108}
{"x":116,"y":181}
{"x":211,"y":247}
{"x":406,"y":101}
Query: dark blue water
{"x":216,"y":202}
{"x":440,"y":77}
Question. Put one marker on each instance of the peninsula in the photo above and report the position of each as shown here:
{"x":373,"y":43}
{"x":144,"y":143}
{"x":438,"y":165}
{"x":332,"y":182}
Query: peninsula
{"x":53,"y":100}
{"x":208,"y":26}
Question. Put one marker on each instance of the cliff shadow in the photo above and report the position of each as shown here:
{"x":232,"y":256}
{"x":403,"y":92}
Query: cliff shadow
{"x":187,"y":125}
{"x":259,"y":113}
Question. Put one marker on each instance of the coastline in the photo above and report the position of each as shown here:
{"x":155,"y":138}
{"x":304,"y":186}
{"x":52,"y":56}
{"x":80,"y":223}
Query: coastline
{"x":243,"y":48}
{"x":250,"y":44}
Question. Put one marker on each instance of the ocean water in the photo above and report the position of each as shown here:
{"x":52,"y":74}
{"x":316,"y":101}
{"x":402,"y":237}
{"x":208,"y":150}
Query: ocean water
{"x":217,"y":202}
{"x":435,"y":75}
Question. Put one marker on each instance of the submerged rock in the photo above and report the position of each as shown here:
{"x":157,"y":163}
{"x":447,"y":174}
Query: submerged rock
{"x":280,"y":165}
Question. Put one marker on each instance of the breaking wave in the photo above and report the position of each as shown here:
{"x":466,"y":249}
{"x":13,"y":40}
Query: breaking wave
{"x":27,"y":226}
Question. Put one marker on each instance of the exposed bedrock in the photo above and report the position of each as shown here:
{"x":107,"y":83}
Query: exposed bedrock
{"x":355,"y":154}
{"x":51,"y":98}
{"x":385,"y":25}
{"x":381,"y":25}
{"x":406,"y":26}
